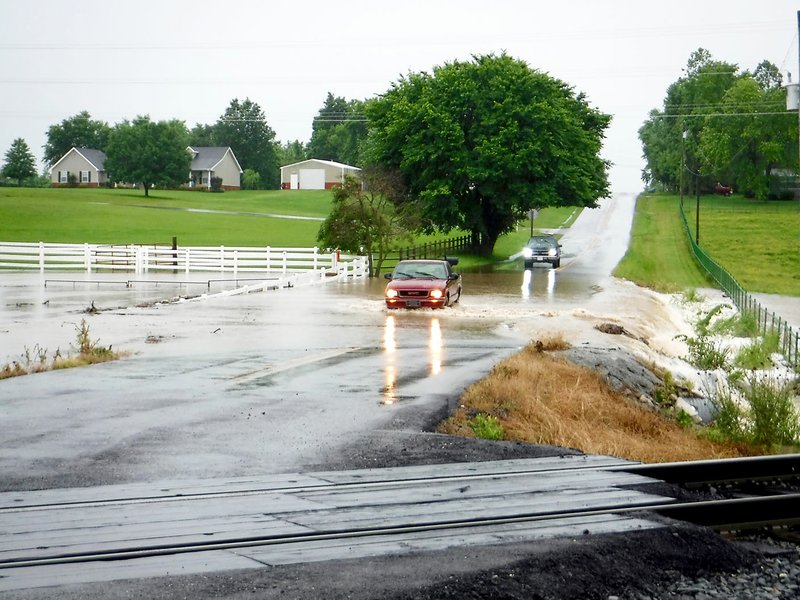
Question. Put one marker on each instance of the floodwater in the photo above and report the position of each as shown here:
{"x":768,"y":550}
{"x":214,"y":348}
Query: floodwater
{"x":227,"y":385}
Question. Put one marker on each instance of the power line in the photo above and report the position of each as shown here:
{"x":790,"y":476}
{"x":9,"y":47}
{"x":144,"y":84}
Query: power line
{"x":746,"y":114}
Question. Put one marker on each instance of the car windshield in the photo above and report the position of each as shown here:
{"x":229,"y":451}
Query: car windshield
{"x":542,"y":242}
{"x":420,"y":271}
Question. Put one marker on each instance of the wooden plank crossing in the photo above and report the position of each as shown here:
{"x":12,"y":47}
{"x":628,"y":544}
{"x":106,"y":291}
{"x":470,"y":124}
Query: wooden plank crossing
{"x":292,"y":518}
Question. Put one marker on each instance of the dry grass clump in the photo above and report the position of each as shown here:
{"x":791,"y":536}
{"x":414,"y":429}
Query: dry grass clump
{"x":542,"y":399}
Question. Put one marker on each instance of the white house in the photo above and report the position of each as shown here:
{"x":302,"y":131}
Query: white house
{"x":79,"y":166}
{"x":315,"y":174}
{"x":214,"y":161}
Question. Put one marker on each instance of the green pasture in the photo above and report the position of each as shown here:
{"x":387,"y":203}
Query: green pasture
{"x":125,"y":216}
{"x":757,"y":242}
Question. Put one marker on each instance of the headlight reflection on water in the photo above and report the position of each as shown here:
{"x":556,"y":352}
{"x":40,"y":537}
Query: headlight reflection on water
{"x":435,"y":347}
{"x":528,"y":279}
{"x":435,"y":352}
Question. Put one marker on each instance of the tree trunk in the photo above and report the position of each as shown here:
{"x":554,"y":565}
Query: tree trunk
{"x":146,"y":189}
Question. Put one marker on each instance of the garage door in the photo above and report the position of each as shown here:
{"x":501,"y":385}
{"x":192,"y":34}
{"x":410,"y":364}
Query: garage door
{"x":312,"y":179}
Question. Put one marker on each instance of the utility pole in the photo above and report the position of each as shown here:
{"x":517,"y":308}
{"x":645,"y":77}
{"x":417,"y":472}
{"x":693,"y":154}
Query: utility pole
{"x":697,"y":209}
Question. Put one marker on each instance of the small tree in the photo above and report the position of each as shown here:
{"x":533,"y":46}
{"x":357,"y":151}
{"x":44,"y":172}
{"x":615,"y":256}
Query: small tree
{"x":369,"y":218}
{"x":251,"y":180}
{"x":20,"y":163}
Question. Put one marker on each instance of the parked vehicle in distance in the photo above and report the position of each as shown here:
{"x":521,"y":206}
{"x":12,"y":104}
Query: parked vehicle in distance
{"x":423,"y":283}
{"x":723,"y":190}
{"x":542,"y":249}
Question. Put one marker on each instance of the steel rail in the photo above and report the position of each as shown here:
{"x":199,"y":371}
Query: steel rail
{"x":303,"y":488}
{"x":718,"y":514}
{"x":755,"y":468}
{"x":687,"y":473}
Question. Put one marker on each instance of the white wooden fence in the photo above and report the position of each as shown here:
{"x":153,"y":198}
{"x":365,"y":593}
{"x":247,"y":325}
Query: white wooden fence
{"x":145,"y":259}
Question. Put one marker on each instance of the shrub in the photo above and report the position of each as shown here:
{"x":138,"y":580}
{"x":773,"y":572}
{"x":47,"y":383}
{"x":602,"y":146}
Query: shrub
{"x":487,"y":427}
{"x":764,"y":417}
{"x":705,"y":353}
{"x":775,"y":420}
{"x":216,"y":184}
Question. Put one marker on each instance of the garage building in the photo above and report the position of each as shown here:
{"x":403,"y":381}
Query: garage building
{"x":316,"y":174}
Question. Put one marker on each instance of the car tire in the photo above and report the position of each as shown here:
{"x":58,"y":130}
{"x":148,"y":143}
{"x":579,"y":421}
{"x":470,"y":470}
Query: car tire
{"x":557,"y":264}
{"x":528,"y":265}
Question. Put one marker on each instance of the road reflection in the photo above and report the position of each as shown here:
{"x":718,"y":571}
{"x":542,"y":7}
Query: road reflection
{"x":530,"y":275}
{"x":435,"y":351}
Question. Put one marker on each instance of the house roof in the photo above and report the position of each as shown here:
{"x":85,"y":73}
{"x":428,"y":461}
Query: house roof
{"x":330,"y":163}
{"x":206,"y":158}
{"x":96,"y":158}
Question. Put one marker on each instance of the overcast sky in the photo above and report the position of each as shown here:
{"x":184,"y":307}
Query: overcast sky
{"x":188,"y":59}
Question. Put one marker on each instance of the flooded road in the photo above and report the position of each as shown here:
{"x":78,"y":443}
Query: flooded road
{"x":259,"y":383}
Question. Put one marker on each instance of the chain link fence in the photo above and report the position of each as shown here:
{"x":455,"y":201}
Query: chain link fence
{"x":788,"y":338}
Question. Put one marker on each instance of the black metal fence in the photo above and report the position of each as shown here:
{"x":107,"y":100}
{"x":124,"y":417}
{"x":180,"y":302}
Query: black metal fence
{"x":788,"y":338}
{"x":436,"y":249}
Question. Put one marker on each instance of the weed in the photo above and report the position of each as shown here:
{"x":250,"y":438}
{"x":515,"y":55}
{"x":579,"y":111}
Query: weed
{"x":663,"y":394}
{"x":758,"y":354}
{"x":36,"y":360}
{"x":692,"y":295}
{"x":487,"y":427}
{"x":683,"y":419}
{"x":705,"y":353}
{"x":739,"y":325}
{"x":703,"y":325}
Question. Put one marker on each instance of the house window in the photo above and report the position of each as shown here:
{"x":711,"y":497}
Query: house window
{"x":63,"y":177}
{"x":86,"y":176}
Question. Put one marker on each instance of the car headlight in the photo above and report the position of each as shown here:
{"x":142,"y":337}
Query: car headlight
{"x":436,"y":294}
{"x":527,"y":252}
{"x":391,"y":293}
{"x":552,"y":252}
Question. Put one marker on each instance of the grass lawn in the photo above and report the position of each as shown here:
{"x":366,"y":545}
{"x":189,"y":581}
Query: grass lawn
{"x":76,"y":215}
{"x":756,"y":242}
{"x":658,"y":255}
{"x":124,"y":216}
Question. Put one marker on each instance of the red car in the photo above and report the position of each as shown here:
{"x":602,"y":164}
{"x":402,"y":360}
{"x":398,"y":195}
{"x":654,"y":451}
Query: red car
{"x":423,"y":283}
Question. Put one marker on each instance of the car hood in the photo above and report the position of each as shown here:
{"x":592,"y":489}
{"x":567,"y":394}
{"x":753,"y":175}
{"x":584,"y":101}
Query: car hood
{"x":417,"y":284}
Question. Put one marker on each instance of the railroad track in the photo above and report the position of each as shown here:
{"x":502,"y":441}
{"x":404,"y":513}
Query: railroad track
{"x":398,"y":504}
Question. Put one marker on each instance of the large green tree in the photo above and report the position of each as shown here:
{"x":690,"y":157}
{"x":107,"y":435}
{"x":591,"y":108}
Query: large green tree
{"x":244,"y":128}
{"x":20,"y":163}
{"x":752,"y":135}
{"x":480,"y":143}
{"x":149,"y":153}
{"x":338,"y":131}
{"x":79,"y":131}
{"x":671,"y":137}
